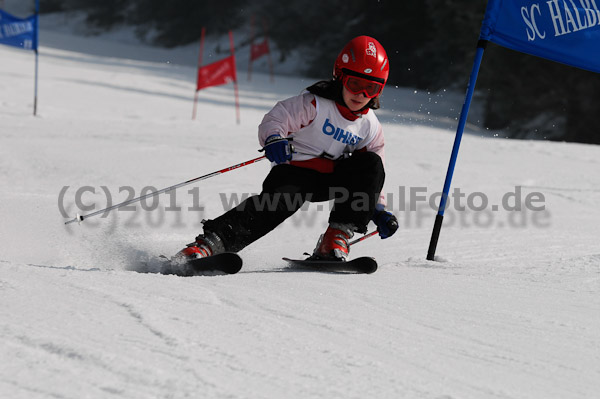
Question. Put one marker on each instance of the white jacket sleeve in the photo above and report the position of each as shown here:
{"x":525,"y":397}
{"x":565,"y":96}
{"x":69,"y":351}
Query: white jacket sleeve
{"x":377,"y":143}
{"x":287,"y":116}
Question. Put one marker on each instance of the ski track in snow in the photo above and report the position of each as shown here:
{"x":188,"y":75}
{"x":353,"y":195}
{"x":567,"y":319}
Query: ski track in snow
{"x":510,"y":309}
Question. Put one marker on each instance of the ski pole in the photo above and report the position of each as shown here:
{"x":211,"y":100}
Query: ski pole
{"x":371,"y":234}
{"x":80,"y":218}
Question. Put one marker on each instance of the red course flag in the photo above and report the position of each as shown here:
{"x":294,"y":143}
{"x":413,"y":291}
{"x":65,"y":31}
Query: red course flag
{"x":258,"y":50}
{"x":218,"y":73}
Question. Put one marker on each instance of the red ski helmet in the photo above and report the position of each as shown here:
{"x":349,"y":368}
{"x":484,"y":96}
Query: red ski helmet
{"x":363,"y":57}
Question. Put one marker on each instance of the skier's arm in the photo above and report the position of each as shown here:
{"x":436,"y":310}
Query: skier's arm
{"x":287,"y":116}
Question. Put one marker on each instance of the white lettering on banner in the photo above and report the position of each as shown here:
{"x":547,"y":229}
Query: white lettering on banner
{"x":217,"y":74}
{"x":592,"y":16}
{"x":556,"y":17}
{"x":581,"y":26}
{"x":570,"y":20}
{"x":529,"y":18}
{"x":574,"y":18}
{"x":17,"y":28}
{"x":222,"y":70}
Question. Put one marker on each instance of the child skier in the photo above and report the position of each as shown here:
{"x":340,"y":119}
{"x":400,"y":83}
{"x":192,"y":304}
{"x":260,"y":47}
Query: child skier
{"x":337,"y":153}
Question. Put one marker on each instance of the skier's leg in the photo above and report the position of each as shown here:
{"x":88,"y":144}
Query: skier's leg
{"x":358,"y":181}
{"x":285,"y":190}
{"x":355,"y":184}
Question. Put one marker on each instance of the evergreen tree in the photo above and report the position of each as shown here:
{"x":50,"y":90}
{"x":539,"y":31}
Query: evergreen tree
{"x":179,"y":22}
{"x":104,"y":14}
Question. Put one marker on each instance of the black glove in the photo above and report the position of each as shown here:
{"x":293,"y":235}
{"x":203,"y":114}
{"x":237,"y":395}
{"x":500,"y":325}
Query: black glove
{"x":386,"y":222}
{"x":277,"y":149}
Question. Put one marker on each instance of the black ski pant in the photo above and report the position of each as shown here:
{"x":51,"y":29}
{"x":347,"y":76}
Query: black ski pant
{"x":354,"y":185}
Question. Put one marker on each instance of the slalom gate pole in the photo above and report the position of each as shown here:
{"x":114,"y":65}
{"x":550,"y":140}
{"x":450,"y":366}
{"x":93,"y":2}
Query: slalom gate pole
{"x":195,"y":105}
{"x":235,"y":82}
{"x":266,"y":30}
{"x":371,"y":234}
{"x":37,"y":35}
{"x":437,"y":227}
{"x":80,"y":218}
{"x":35,"y":90}
{"x":251,"y":45}
{"x":199,"y":65}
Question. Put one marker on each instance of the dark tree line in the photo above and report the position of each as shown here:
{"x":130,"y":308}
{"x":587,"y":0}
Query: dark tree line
{"x":168,"y":23}
{"x":430,"y":43}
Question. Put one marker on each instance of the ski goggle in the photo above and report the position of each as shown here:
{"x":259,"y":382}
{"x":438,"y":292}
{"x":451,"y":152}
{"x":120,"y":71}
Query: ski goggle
{"x":356,"y":85}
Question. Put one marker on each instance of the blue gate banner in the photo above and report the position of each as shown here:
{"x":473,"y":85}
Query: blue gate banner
{"x":565,"y":31}
{"x":18,"y":32}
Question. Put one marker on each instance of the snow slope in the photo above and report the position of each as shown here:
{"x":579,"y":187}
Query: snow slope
{"x":512,"y":310}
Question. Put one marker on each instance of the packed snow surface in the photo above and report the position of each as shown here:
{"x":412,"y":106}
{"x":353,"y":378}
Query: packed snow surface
{"x":511,"y":308}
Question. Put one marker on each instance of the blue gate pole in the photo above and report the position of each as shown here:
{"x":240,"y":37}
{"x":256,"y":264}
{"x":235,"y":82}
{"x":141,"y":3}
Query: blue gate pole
{"x":437,"y":227}
{"x":35,"y":48}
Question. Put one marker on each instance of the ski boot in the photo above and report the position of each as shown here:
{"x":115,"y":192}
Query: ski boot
{"x":207,"y":244}
{"x":333,"y":245}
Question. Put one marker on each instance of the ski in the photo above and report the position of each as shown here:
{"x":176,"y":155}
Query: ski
{"x":223,"y":263}
{"x":364,"y":264}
